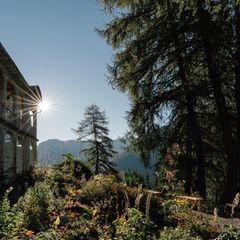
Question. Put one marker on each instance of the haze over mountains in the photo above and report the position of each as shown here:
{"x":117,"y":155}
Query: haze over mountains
{"x":51,"y":151}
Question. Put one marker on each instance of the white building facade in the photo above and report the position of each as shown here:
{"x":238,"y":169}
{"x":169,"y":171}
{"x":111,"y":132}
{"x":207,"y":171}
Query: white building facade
{"x":18,"y":120}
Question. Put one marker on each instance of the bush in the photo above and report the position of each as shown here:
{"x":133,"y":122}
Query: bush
{"x":176,"y":212}
{"x":134,"y":226}
{"x":177,"y":234}
{"x":230,"y":233}
{"x":101,"y":187}
{"x":201,"y":229}
{"x":133,"y":178}
{"x":75,"y":167}
{"x":49,"y":235}
{"x":10,"y":219}
{"x":105,"y":194}
{"x":36,"y":206}
{"x":81,"y":229}
{"x":70,"y":171}
{"x":40,"y":173}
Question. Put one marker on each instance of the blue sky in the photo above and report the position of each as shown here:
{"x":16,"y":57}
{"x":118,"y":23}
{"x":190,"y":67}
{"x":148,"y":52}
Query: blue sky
{"x":55,"y":46}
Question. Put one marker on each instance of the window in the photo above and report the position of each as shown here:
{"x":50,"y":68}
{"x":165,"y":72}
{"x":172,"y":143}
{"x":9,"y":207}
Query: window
{"x":31,"y":117}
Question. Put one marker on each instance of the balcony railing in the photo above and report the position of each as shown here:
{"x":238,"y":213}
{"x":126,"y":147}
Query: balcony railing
{"x":12,"y":119}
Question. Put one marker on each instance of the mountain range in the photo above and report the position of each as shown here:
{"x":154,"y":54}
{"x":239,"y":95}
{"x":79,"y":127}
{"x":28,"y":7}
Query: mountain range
{"x":51,"y":151}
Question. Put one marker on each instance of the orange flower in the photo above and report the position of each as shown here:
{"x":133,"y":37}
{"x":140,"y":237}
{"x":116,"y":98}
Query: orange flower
{"x":29,"y":233}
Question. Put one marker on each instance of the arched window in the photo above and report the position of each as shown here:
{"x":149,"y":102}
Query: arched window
{"x":8,"y":138}
{"x":8,"y":154}
{"x":31,"y":154}
{"x":19,"y":156}
{"x":31,"y":117}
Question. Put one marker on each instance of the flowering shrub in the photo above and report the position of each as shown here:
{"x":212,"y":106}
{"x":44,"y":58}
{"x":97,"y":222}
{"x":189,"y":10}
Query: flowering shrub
{"x":134,"y":226}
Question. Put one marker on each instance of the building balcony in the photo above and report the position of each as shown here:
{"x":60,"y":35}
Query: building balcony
{"x":14,"y":121}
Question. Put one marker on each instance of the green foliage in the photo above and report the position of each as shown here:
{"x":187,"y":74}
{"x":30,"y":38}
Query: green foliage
{"x":177,"y":234}
{"x":36,"y":206}
{"x":86,"y":229}
{"x":134,"y":226}
{"x":168,"y":174}
{"x":101,"y":187}
{"x":49,"y":235}
{"x":137,"y":198}
{"x":82,"y":229}
{"x":102,"y":208}
{"x":10,"y":218}
{"x":175,"y":212}
{"x":71,"y":170}
{"x":200,"y":229}
{"x":178,"y":62}
{"x":133,"y":178}
{"x":105,"y":194}
{"x":229,"y":233}
{"x":40,"y":173}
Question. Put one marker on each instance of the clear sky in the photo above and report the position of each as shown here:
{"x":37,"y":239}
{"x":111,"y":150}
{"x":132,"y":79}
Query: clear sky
{"x":55,"y":46}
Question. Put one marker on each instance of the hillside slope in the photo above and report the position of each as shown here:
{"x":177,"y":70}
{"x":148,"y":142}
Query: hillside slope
{"x":51,"y":151}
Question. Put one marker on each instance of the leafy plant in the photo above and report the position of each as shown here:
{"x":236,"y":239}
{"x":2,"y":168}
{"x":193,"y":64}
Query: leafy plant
{"x":49,"y":234}
{"x":177,"y":234}
{"x":133,"y":178}
{"x":134,"y":226}
{"x":36,"y":206}
{"x":106,"y":194}
{"x":10,"y":219}
{"x":229,"y":233}
{"x":81,"y":229}
{"x":71,"y":171}
{"x":74,"y":166}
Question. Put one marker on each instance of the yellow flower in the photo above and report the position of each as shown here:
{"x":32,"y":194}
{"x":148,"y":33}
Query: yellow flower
{"x":57,"y":222}
{"x":94,"y":212}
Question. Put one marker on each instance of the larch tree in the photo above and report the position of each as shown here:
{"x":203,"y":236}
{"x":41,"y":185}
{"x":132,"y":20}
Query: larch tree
{"x":182,"y":57}
{"x":93,"y":129}
{"x":154,"y":55}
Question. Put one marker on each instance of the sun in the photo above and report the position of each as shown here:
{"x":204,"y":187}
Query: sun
{"x":44,"y":106}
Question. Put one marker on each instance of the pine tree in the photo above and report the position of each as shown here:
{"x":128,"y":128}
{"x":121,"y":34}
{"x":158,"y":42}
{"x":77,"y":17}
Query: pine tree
{"x":94,"y":130}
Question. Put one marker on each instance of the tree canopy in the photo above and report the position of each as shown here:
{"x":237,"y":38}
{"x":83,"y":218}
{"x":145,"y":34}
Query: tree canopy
{"x":179,"y":63}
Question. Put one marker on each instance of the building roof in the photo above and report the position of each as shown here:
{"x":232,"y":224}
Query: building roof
{"x":13,"y":70}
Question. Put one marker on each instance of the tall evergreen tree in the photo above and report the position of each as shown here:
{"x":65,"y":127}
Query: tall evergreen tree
{"x":94,"y":130}
{"x":182,"y":57}
{"x":152,"y":65}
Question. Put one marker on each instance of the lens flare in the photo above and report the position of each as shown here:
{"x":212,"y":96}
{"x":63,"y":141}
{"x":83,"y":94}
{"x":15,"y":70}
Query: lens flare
{"x":44,"y":106}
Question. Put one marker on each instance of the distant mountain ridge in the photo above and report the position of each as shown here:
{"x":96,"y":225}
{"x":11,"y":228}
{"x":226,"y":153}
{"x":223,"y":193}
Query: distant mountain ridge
{"x":51,"y":151}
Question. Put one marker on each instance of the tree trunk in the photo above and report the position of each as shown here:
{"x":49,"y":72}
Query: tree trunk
{"x":97,"y":148}
{"x":97,"y":159}
{"x":198,"y":144}
{"x":188,"y":164}
{"x":213,"y":69}
{"x":237,"y":70}
{"x":237,"y":84}
{"x":194,"y":128}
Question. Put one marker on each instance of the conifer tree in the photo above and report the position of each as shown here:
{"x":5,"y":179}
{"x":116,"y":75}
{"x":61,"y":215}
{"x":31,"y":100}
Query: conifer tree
{"x":182,"y":57}
{"x":93,"y":129}
{"x":150,"y":66}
